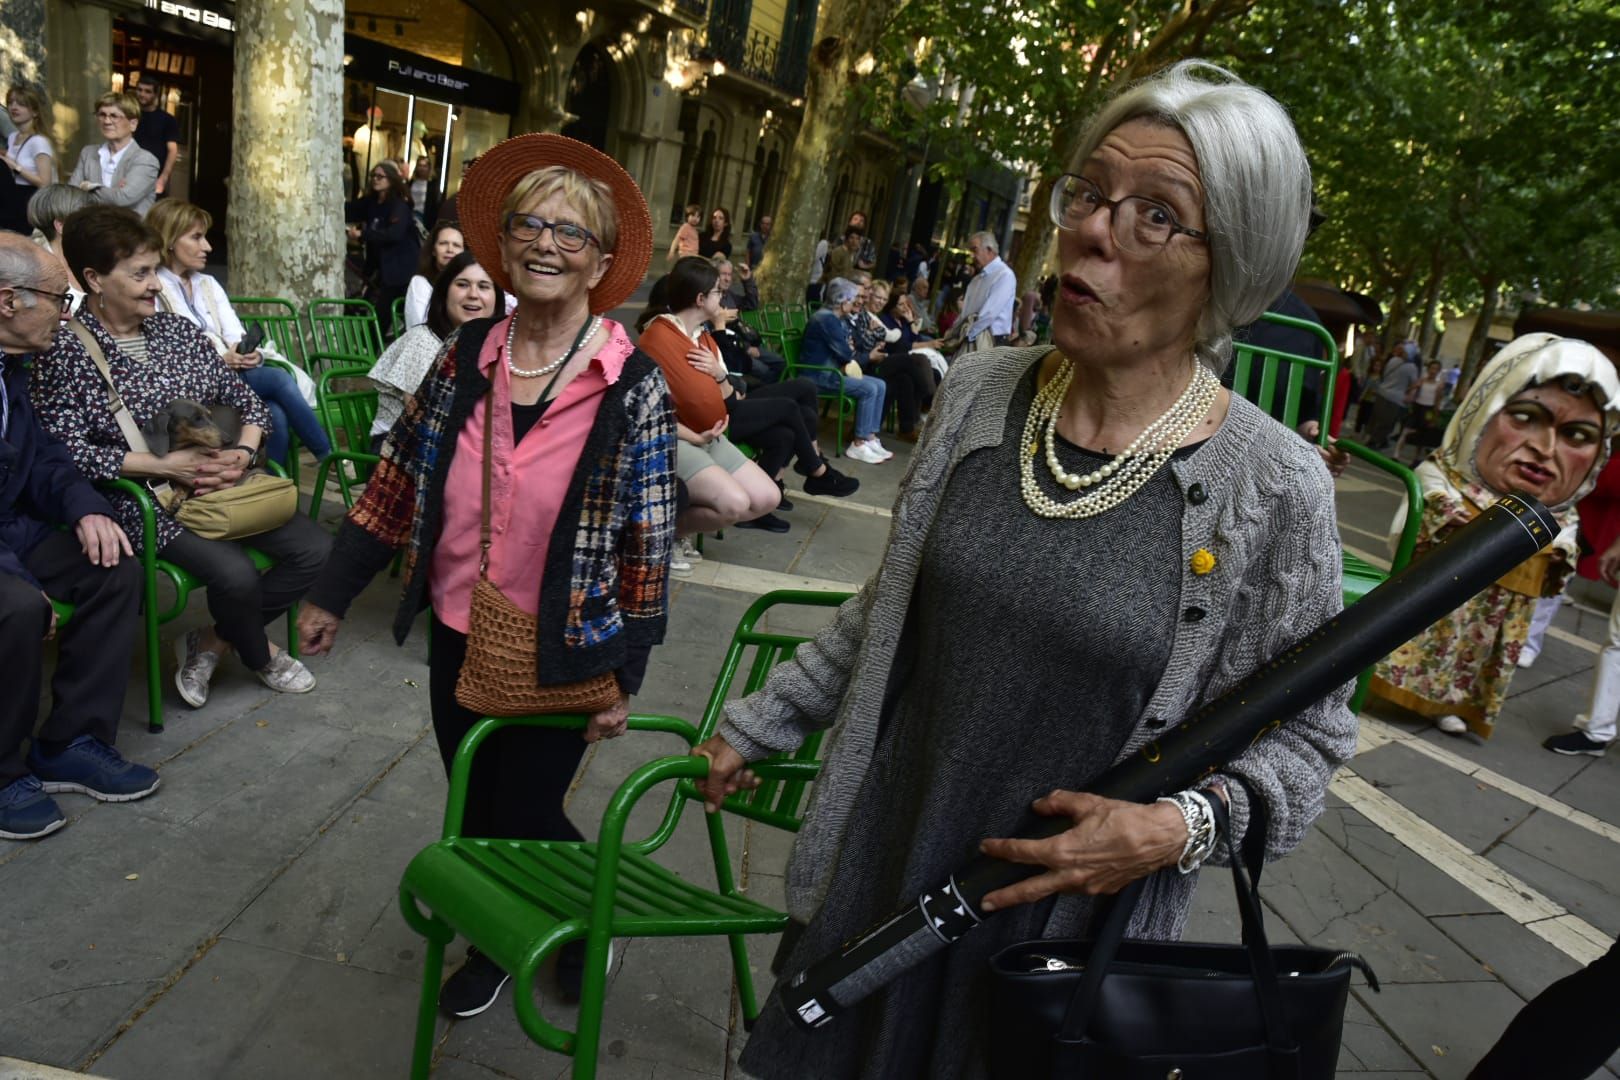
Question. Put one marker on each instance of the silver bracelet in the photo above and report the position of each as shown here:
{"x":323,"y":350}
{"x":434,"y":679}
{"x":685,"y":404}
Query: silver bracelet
{"x":1200,"y":822}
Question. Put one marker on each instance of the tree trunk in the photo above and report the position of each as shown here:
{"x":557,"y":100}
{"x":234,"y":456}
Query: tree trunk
{"x":286,"y":189}
{"x":1482,"y":331}
{"x":1038,"y":234}
{"x":1431,"y":304}
{"x":848,"y":32}
{"x":1396,"y":322}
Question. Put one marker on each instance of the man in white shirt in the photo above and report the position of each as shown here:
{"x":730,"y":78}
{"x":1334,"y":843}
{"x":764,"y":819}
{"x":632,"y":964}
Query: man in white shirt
{"x":118,"y":172}
{"x":991,"y":297}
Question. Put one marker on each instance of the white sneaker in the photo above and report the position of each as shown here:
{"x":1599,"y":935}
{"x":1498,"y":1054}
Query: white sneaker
{"x":686,"y":550}
{"x":1451,"y":725}
{"x":679,"y":566}
{"x":864,"y":452}
{"x":196,"y":669}
{"x":286,"y":675}
{"x":1527,"y":656}
{"x":877,"y":444}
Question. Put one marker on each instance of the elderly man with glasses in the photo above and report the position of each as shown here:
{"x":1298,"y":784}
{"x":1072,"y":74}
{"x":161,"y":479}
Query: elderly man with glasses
{"x":88,"y":566}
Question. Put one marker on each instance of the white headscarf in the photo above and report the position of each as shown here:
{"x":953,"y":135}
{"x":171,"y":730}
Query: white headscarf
{"x":1531,"y":360}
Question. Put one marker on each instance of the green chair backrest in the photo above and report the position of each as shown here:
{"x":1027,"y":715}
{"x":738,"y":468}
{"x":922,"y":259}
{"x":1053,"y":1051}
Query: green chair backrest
{"x":346,"y":401}
{"x":280,"y":321}
{"x":753,"y":652}
{"x":789,"y":341}
{"x":752,"y":318}
{"x":344,"y":326}
{"x":773,"y":317}
{"x":396,"y":322}
{"x":1257,"y":371}
{"x":798,"y":316}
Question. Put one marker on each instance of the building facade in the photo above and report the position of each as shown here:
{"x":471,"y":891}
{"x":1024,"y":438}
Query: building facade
{"x":698,"y":99}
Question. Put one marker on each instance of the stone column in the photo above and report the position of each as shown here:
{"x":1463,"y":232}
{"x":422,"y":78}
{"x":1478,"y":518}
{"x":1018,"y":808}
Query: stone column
{"x":77,"y":71}
{"x":286,"y":200}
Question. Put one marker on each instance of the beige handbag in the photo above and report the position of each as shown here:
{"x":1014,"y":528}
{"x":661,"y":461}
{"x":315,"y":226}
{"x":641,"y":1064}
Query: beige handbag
{"x":258,"y":503}
{"x":498,"y":675}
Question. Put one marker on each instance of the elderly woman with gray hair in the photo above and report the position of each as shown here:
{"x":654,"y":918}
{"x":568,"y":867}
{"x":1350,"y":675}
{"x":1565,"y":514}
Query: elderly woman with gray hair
{"x":1094,"y":540}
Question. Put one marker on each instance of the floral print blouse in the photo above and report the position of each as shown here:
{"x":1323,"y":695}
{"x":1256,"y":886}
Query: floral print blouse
{"x":70,"y":397}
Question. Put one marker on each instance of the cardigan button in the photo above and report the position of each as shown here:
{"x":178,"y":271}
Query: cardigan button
{"x":1196,"y":494}
{"x":1192,"y":614}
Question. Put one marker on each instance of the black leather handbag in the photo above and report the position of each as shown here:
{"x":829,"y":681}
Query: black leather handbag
{"x":1110,"y":1009}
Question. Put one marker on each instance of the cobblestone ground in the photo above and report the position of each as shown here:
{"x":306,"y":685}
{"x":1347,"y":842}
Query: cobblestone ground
{"x":243,"y":922}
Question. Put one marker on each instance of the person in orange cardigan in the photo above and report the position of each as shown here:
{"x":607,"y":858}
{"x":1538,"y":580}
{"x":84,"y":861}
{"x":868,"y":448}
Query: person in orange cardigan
{"x":724,"y":486}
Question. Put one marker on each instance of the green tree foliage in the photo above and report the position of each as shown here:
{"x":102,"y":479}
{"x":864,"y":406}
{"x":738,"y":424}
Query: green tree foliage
{"x":1461,"y":151}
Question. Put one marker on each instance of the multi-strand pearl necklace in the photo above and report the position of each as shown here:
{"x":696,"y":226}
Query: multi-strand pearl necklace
{"x":534,"y":373}
{"x":1109,"y":485}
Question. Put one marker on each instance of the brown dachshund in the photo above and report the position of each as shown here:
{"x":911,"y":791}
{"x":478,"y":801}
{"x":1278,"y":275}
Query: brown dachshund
{"x":186,"y":424}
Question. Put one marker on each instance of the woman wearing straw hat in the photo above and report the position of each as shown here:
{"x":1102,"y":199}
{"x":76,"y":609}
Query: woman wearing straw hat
{"x":580,"y":509}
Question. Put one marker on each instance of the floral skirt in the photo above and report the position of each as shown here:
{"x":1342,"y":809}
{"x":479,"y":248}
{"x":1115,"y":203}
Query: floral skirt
{"x":1462,"y":665}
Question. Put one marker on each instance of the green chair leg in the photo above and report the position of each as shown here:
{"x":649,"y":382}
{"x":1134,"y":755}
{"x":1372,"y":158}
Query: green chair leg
{"x":427,"y":1010}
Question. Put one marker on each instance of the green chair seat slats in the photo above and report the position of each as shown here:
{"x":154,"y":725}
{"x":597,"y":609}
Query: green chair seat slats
{"x":343,"y":327}
{"x":520,"y":900}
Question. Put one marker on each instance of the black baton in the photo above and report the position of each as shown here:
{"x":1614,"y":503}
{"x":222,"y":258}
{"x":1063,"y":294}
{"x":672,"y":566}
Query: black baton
{"x":1507,"y":533}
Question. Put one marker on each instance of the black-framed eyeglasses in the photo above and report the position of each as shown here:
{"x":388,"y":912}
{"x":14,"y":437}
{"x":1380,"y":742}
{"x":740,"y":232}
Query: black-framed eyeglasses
{"x":64,"y":301}
{"x":1141,"y":225}
{"x":525,"y":228}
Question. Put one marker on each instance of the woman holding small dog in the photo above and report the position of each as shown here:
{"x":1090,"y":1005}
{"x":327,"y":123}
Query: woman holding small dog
{"x":190,"y":293}
{"x":156,"y":359}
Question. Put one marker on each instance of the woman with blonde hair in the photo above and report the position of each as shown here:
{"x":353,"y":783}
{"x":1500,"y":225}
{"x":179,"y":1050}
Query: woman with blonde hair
{"x":28,"y":155}
{"x":194,"y":295}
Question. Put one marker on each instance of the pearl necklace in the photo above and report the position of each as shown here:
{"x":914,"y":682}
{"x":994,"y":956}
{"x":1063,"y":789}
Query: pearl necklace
{"x":1109,"y":485}
{"x":534,"y":373}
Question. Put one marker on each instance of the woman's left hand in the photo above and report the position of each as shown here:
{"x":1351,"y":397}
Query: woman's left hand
{"x":223,"y":472}
{"x":1111,"y":844}
{"x":243,"y":361}
{"x":611,"y":722}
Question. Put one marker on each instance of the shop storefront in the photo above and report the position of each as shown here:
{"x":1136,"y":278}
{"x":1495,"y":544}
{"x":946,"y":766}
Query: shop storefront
{"x":188,"y":51}
{"x":428,"y":116}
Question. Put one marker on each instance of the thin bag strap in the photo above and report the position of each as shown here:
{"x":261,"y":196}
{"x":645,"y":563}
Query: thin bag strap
{"x":1105,"y":948}
{"x":115,"y":402}
{"x":489,"y":454}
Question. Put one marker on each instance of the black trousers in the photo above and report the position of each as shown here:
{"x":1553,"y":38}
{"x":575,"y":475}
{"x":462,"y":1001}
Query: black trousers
{"x":1566,"y":1032}
{"x":93,"y":650}
{"x":775,"y":427}
{"x":243,"y":601}
{"x":910,"y":381}
{"x":520,"y":776}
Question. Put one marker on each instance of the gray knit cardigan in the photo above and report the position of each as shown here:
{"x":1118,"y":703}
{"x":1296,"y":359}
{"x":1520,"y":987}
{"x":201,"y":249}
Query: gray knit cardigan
{"x":1256,"y":496}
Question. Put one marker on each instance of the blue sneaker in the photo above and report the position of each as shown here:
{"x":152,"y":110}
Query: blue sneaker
{"x":91,"y":767}
{"x":26,"y":812}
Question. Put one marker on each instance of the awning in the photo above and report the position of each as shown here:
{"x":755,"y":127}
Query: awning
{"x":1600,"y":328}
{"x":1339,"y":306}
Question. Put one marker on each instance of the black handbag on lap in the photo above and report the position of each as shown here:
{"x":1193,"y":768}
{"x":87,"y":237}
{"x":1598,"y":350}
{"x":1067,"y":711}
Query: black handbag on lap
{"x":1110,"y":1009}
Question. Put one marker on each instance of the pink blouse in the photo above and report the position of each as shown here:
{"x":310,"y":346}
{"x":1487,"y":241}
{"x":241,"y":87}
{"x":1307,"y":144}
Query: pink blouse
{"x":527,"y":486}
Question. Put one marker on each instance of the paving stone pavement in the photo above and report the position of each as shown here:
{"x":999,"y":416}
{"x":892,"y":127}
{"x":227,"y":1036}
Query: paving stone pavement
{"x":244,"y":922}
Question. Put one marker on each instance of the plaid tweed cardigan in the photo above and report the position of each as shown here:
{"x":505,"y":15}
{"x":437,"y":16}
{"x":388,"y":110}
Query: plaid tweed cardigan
{"x":621,"y":499}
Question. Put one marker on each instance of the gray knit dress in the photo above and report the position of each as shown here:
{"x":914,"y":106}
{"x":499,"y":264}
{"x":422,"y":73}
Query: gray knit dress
{"x":1031,"y":648}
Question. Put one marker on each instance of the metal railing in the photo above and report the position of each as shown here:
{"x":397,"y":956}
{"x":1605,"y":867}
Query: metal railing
{"x":755,"y":53}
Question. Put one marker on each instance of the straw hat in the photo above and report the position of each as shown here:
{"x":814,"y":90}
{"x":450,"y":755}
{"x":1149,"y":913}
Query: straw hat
{"x":498,"y":170}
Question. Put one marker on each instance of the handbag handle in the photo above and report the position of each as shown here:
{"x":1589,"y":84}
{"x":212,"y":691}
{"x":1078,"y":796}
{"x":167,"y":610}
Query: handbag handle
{"x":1104,"y":950}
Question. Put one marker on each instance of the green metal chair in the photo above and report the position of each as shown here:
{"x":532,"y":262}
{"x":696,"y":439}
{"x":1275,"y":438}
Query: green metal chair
{"x":347,"y":402}
{"x":184,"y":584}
{"x":753,"y":319}
{"x":798,"y":316}
{"x":786,"y":344}
{"x":345,"y":327}
{"x":1257,"y":374}
{"x":396,"y":321}
{"x":773,"y":318}
{"x":280,"y":321}
{"x":520,"y":900}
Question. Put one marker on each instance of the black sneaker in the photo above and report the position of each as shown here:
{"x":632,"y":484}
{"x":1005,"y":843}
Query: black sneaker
{"x":785,"y":504}
{"x":473,"y":988}
{"x":1576,"y":743}
{"x":832,"y":482}
{"x":768,"y":522}
{"x":91,"y":767}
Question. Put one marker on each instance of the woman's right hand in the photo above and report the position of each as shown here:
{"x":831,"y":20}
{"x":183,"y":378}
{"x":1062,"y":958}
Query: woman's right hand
{"x":728,"y":772}
{"x":188,"y":465}
{"x":317,"y":629}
